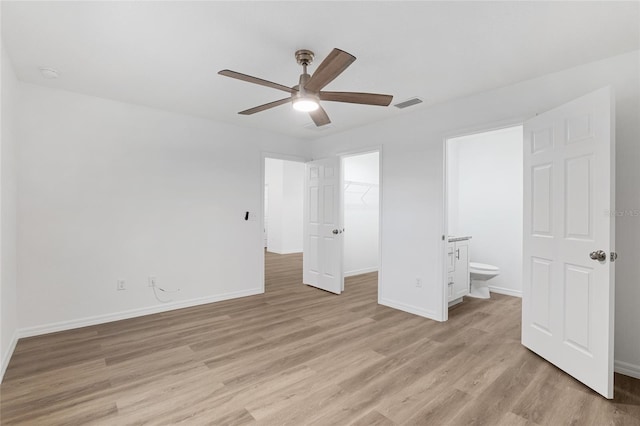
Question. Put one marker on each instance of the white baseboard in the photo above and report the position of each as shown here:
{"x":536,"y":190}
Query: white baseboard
{"x":455,"y":302}
{"x":506,"y":291}
{"x":6,"y":357}
{"x":408,"y":308}
{"x":292,"y":251}
{"x":360,"y":271}
{"x":100,"y":319}
{"x":627,"y":369}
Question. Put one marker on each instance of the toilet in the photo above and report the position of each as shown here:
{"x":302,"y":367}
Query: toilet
{"x":480,"y":274}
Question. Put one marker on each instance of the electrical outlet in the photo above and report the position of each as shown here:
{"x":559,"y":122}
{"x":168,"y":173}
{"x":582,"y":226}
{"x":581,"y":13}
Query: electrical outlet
{"x":418,"y":283}
{"x":120,"y":285}
{"x":152,"y":281}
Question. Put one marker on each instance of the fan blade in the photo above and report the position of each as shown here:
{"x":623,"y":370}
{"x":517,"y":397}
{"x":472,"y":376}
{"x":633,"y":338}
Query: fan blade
{"x":265,"y":106}
{"x":332,"y":66}
{"x":357,"y":98}
{"x":256,"y":80}
{"x":320,"y":117}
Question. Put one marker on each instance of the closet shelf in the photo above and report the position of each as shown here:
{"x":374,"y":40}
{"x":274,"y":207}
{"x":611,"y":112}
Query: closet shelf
{"x":362,"y":187}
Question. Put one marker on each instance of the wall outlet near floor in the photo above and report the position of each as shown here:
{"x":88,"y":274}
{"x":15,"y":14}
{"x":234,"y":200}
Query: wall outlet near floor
{"x":418,"y":283}
{"x":120,"y":285}
{"x":152,"y":281}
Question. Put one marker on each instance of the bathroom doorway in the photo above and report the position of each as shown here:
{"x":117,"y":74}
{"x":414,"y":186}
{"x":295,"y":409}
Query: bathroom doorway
{"x":483,"y":214}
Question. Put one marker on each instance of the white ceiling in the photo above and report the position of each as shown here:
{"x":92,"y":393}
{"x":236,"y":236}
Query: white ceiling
{"x":167,"y":54}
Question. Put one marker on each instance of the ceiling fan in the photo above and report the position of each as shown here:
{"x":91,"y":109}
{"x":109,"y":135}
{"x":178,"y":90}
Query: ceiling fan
{"x":307,"y":94}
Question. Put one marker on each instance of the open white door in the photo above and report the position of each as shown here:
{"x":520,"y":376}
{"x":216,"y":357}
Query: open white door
{"x":322,"y":259}
{"x":568,"y":271}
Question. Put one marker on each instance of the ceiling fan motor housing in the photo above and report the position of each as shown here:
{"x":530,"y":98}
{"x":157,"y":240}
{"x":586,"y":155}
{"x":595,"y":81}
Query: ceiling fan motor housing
{"x":304,"y":57}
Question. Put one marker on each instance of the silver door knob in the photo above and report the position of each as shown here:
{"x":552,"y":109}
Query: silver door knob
{"x":335,"y":231}
{"x":598,"y":255}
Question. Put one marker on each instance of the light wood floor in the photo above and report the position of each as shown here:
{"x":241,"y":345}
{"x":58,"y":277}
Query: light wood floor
{"x":297,"y":355}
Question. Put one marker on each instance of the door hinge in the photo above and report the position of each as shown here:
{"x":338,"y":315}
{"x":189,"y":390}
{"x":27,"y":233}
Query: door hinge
{"x":614,"y":256}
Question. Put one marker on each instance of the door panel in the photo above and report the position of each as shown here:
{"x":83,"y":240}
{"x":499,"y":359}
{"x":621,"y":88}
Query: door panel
{"x":541,"y":199}
{"x":578,"y":219}
{"x":568,"y":298}
{"x":576,"y":311}
{"x":322,"y":259}
{"x":541,"y":293}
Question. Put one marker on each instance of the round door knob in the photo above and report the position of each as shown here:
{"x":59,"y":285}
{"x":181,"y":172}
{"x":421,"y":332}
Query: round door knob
{"x":599,"y":255}
{"x":335,"y":232}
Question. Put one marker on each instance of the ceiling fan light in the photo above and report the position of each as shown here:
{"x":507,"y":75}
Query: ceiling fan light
{"x":305,"y":104}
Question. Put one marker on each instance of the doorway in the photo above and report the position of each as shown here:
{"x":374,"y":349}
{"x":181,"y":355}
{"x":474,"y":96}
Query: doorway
{"x":361,"y":213}
{"x":484,"y":193}
{"x":283,"y":205}
{"x":283,"y":213}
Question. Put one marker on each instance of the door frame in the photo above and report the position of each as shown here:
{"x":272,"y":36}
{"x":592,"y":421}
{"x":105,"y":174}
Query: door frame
{"x":263,"y":157}
{"x":353,"y":153}
{"x":467,"y":131}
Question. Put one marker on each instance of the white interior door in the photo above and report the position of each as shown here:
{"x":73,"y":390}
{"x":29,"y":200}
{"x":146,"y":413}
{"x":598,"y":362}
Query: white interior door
{"x":568,"y":297}
{"x":322,"y":259}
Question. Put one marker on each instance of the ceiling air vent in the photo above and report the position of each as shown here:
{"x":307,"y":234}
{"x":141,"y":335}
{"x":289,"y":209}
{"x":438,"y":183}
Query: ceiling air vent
{"x":408,"y":103}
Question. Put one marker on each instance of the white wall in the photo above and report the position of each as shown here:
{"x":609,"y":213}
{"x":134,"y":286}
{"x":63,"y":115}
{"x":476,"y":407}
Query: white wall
{"x":285,"y":185}
{"x":484,"y":172}
{"x":361,"y":211}
{"x":293,"y":206}
{"x":273,"y":176}
{"x":8,"y":205}
{"x":112,"y":191}
{"x":412,"y":166}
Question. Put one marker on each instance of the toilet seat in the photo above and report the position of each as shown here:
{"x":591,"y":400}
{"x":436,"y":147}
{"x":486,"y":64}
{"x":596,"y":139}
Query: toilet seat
{"x":483,"y":267}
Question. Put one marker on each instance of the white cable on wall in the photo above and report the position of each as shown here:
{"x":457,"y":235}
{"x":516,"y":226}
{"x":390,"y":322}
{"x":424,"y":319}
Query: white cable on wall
{"x":155,"y":293}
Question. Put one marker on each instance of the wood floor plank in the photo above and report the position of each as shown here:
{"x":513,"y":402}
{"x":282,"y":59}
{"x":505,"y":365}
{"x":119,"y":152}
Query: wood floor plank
{"x":502,"y":394}
{"x":373,"y":418}
{"x":435,"y":375}
{"x":307,"y":409}
{"x":149,"y":400}
{"x":441,"y":410}
{"x":510,"y":419}
{"x":488,"y":368}
{"x":297,"y":355}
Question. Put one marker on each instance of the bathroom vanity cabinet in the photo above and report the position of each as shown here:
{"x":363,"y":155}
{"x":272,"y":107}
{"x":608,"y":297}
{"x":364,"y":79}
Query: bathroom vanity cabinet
{"x":458,"y":268}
